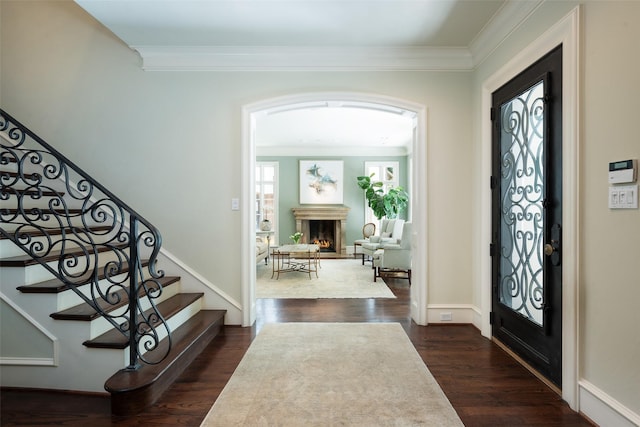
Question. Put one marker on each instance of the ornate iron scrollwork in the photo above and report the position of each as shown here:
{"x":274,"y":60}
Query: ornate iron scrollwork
{"x":522,"y":194}
{"x":98,"y":240}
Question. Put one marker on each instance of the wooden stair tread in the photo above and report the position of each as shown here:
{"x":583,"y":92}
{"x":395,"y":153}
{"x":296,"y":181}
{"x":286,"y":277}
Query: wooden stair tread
{"x":55,"y":286}
{"x":85,"y":312}
{"x":30,"y":211}
{"x":131,"y":391}
{"x":31,"y":192}
{"x":115,"y":339}
{"x":26,"y":259}
{"x":35,"y":232}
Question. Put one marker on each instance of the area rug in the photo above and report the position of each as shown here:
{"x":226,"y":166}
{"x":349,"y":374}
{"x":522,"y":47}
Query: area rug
{"x":337,"y":278}
{"x":332,"y":374}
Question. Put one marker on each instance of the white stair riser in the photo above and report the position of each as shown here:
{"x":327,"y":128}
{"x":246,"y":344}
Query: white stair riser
{"x":9,"y":249}
{"x":37,"y":273}
{"x":176,"y":321}
{"x":100,"y":325}
{"x":69,"y":298}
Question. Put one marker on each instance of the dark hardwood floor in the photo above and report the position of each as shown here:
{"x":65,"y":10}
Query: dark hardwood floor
{"x":484,"y":384}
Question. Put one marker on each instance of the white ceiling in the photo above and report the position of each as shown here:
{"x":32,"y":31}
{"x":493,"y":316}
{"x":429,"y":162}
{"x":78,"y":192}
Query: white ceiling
{"x":443,"y":23}
{"x":313,"y":127}
{"x":314,"y":34}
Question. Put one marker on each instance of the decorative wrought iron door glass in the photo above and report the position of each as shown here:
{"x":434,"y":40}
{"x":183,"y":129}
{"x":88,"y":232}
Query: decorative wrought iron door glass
{"x":522,"y":183}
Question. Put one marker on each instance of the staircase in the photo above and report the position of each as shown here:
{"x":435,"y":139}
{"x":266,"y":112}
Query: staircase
{"x":84,"y":306}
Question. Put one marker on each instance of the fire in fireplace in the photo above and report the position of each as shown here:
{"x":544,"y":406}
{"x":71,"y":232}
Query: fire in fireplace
{"x":322,"y":233}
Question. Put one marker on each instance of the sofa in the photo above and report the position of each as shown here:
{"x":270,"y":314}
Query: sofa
{"x":262,"y":251}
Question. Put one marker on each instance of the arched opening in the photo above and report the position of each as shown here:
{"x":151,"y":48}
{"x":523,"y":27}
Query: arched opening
{"x":417,"y":178}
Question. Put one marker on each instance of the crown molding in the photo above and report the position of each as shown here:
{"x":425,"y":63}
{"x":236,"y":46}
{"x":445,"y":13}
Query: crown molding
{"x":341,"y":58}
{"x":294,"y":58}
{"x":345,"y":151}
{"x":510,"y":16}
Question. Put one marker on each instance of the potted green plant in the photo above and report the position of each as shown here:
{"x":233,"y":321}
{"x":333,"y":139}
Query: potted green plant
{"x":387,"y":205}
{"x":296,"y":237}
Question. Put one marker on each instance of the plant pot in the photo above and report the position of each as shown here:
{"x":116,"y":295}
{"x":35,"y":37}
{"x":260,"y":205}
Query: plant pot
{"x":265,"y":225}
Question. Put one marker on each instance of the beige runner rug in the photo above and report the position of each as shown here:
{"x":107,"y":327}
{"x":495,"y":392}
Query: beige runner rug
{"x":332,"y":374}
{"x":337,"y":278}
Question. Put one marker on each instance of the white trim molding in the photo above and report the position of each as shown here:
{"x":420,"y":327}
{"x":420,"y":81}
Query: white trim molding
{"x":340,"y":58}
{"x":451,"y":313}
{"x":567,"y":33}
{"x":504,"y":22}
{"x":294,"y":58}
{"x":604,"y":410}
{"x":419,"y":186}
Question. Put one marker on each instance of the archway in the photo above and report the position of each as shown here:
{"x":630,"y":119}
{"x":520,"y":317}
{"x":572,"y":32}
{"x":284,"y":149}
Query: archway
{"x":417,"y":178}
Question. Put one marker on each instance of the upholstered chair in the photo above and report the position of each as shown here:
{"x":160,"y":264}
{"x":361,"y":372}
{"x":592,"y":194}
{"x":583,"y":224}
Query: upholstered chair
{"x":368,"y":230}
{"x":390,"y":233}
{"x":394,"y":257}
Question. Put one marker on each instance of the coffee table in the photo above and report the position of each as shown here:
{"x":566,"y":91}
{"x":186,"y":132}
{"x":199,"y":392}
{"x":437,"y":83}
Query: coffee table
{"x":301,"y":258}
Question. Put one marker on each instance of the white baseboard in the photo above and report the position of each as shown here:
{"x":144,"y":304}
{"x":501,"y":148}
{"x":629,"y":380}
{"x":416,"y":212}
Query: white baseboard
{"x":28,"y":361}
{"x":604,"y":410}
{"x":451,"y":313}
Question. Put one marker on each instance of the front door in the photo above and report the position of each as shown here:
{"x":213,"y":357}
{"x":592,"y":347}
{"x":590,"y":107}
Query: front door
{"x":527,"y":213}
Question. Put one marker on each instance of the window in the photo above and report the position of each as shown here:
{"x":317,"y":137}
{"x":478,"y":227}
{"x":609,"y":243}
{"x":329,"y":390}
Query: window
{"x":386,"y":172}
{"x":266,"y":193}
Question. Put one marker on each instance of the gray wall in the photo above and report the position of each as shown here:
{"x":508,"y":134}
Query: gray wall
{"x":20,"y":338}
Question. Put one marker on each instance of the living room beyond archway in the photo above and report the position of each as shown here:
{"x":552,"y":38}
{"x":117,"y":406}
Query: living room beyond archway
{"x":348,"y":123}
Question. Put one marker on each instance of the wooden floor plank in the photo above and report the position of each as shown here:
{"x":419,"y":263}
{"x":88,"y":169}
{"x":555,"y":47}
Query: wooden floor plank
{"x":484,"y":384}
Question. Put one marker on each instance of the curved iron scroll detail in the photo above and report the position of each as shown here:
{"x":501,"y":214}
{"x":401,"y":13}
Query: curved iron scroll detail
{"x":105,"y":251}
{"x":522,"y":191}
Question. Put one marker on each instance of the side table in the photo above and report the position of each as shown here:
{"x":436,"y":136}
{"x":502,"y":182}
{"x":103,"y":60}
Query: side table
{"x":306,"y":262}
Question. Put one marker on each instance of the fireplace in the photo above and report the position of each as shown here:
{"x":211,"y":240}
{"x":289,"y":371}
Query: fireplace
{"x":322,"y":233}
{"x":324,"y":224}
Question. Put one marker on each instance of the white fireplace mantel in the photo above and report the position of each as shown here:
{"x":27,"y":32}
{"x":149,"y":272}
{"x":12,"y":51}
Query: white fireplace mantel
{"x":336,"y":213}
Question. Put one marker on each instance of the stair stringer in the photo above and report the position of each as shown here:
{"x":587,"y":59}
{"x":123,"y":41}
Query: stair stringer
{"x":192,"y":281}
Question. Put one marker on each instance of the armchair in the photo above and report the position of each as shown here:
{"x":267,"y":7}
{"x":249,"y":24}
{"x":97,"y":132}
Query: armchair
{"x":368,"y":230}
{"x":390,"y":233}
{"x":394,"y":257}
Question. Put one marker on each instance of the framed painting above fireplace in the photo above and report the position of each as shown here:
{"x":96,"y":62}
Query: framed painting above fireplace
{"x":321,"y":182}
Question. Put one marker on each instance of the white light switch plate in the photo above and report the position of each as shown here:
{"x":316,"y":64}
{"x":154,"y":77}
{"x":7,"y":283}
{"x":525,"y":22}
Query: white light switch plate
{"x":235,"y":204}
{"x":623,"y":197}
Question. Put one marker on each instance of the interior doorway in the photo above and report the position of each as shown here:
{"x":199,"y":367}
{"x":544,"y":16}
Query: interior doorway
{"x":417,"y":185}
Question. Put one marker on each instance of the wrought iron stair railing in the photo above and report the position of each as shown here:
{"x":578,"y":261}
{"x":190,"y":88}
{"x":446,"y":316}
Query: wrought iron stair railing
{"x":52,"y":207}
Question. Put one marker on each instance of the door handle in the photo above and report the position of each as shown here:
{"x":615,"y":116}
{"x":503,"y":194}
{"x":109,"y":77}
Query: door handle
{"x":554,"y":247}
{"x":549,"y":248}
